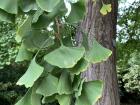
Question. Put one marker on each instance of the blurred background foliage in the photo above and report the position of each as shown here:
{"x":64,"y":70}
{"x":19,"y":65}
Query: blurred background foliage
{"x":128,"y":52}
{"x":8,"y":45}
{"x":10,"y":72}
{"x":128,"y":57}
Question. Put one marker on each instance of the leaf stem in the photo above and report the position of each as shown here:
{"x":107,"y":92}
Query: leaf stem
{"x":58,"y":36}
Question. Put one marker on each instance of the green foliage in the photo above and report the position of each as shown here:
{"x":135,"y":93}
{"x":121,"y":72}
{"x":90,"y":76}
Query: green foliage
{"x":76,"y":14}
{"x":8,"y":46}
{"x":65,"y":57}
{"x":129,"y":22}
{"x":9,"y":91}
{"x":128,"y":47}
{"x":96,"y":56}
{"x":131,"y":78}
{"x":9,"y":6}
{"x":56,"y":61}
{"x":89,"y":97}
{"x":47,"y":5}
{"x":34,"y":71}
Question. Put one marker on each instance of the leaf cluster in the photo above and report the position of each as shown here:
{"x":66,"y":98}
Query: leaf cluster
{"x":55,"y":61}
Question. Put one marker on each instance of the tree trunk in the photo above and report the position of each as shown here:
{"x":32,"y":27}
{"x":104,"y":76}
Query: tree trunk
{"x":103,"y":28}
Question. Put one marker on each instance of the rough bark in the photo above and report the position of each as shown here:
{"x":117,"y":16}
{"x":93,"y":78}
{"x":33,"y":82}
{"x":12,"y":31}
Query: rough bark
{"x":103,"y":28}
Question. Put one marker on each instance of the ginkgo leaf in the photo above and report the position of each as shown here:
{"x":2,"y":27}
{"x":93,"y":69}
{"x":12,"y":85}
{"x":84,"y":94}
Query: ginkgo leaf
{"x":77,"y":13}
{"x":26,"y":100}
{"x":35,"y":98}
{"x":49,"y":99}
{"x":37,"y":14}
{"x":64,"y":85}
{"x":65,"y":57}
{"x":27,"y":5}
{"x":37,"y":40}
{"x":10,"y":6}
{"x":64,"y":99}
{"x":105,"y":9}
{"x":30,"y":98}
{"x":48,"y":86}
{"x":76,"y":82}
{"x":24,"y":29}
{"x":4,"y":16}
{"x":97,"y":53}
{"x":91,"y":92}
{"x":78,"y":93}
{"x":81,"y":66}
{"x":46,"y":18}
{"x":47,"y":5}
{"x":23,"y":54}
{"x":108,"y":7}
{"x":31,"y":75}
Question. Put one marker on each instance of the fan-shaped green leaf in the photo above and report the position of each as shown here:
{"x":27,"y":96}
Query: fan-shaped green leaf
{"x":37,"y":14}
{"x":23,"y":54}
{"x":76,"y":82}
{"x":27,"y":5}
{"x":77,"y":13}
{"x":81,"y":66}
{"x":47,"y":5}
{"x":4,"y":16}
{"x":37,"y":39}
{"x":26,"y":100}
{"x":46,"y":18}
{"x":97,"y":53}
{"x":35,"y":98}
{"x":64,"y":85}
{"x":65,"y":57}
{"x":24,"y":29}
{"x":49,"y":99}
{"x":91,"y":92}
{"x":80,"y":87}
{"x":31,"y":75}
{"x":43,"y":21}
{"x":9,"y":6}
{"x":64,"y":99}
{"x":31,"y":98}
{"x":48,"y":86}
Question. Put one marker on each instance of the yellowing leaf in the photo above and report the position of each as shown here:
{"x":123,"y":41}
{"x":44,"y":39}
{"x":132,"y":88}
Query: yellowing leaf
{"x":65,"y":57}
{"x":108,"y":7}
{"x":31,"y":75}
{"x":105,"y":9}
